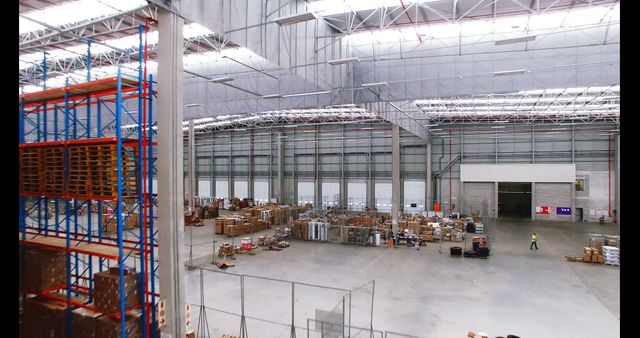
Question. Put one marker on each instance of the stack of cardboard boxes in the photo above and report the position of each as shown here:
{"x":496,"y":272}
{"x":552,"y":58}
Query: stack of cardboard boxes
{"x":42,"y":269}
{"x":592,"y":255}
{"x":46,"y":318}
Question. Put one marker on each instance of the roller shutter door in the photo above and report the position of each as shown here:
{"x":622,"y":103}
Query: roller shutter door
{"x":479,"y":196}
{"x":553,"y":195}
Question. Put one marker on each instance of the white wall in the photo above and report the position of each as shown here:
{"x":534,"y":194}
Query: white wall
{"x":595,"y":199}
{"x":260,"y":191}
{"x":356,"y":196}
{"x":330,"y":194}
{"x":383,"y":196}
{"x":222,"y":188}
{"x":305,"y":192}
{"x":240,"y":189}
{"x":518,"y":173}
{"x":204,"y":188}
{"x":414,"y":193}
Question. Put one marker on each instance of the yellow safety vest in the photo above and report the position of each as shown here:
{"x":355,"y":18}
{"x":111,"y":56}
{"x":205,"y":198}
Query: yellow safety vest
{"x":533,"y":238}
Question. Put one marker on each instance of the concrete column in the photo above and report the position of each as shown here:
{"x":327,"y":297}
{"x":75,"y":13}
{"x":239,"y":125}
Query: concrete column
{"x":170,"y":170}
{"x":281,"y":193}
{"x":573,"y":201}
{"x":343,"y":181}
{"x":252,"y":166}
{"x":428,"y":181}
{"x":317,"y":185}
{"x":192,"y":166}
{"x":395,"y":177}
{"x":271,"y":192}
{"x":371,"y":199}
{"x":617,"y":180}
{"x":461,"y":200}
{"x":294,"y":171}
{"x":212,"y":180}
{"x":230,"y":171}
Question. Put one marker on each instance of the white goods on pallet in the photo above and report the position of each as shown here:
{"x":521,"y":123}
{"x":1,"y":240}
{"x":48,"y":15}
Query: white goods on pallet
{"x":611,"y":255}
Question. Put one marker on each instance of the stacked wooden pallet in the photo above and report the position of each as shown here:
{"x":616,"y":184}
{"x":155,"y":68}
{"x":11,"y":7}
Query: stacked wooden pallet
{"x":31,"y":170}
{"x":91,"y":170}
{"x":53,"y":158}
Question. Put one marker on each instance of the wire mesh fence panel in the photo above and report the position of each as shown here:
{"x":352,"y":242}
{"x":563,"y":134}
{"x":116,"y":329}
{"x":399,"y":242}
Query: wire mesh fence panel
{"x":260,"y":328}
{"x":267,"y":299}
{"x":215,"y":323}
{"x":221,"y":290}
{"x":322,"y":304}
{"x":361,"y":298}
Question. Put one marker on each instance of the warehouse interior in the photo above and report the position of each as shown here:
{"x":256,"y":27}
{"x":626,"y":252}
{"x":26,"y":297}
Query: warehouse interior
{"x":319,"y":168}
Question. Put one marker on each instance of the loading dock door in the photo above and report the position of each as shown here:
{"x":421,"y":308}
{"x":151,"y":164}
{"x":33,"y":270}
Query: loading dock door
{"x":514,"y":199}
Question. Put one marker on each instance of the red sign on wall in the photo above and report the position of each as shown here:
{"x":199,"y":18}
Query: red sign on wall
{"x":542,"y":210}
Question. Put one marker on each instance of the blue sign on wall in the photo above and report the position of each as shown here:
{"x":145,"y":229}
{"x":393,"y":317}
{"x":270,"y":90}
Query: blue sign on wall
{"x":563,"y":211}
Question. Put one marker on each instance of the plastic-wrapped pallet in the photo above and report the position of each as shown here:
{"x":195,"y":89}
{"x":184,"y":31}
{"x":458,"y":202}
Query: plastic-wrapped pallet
{"x":611,"y":255}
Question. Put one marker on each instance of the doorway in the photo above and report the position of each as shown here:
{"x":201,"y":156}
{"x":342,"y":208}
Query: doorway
{"x":514,"y":199}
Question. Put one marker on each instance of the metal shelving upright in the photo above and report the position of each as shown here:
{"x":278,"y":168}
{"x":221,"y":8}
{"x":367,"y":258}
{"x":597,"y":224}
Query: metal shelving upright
{"x":105,"y":106}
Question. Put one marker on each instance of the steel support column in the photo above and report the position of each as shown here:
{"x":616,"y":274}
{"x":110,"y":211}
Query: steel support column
{"x":192,"y":165}
{"x":395,"y":177}
{"x":281,"y":193}
{"x":170,"y":170}
{"x":252,"y":166}
{"x":428,"y":182}
{"x":317,"y":185}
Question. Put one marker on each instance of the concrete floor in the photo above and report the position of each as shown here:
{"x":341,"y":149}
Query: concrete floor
{"x":423,"y":293}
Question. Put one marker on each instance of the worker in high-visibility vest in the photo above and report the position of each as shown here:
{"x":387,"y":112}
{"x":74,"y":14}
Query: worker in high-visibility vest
{"x":534,"y":240}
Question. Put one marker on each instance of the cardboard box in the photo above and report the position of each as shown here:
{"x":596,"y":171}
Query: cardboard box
{"x":107,"y":327}
{"x":42,"y":269}
{"x":586,"y":258}
{"x":44,"y":318}
{"x":84,"y":323}
{"x":107,"y":290}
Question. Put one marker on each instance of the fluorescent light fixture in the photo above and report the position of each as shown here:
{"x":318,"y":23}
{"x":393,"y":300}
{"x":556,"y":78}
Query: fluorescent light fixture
{"x":295,"y":18}
{"x":222,"y":79}
{"x":503,"y":121}
{"x":343,"y":61}
{"x":498,"y":127}
{"x":190,"y":105}
{"x":374,"y":84}
{"x":566,"y":124}
{"x":240,"y":129}
{"x":605,"y":134}
{"x":516,"y":40}
{"x":509,"y":72}
{"x":291,"y":126}
{"x":308,"y":93}
{"x":436,"y":129}
{"x":432,"y":125}
{"x":272,"y":96}
{"x":604,"y":98}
